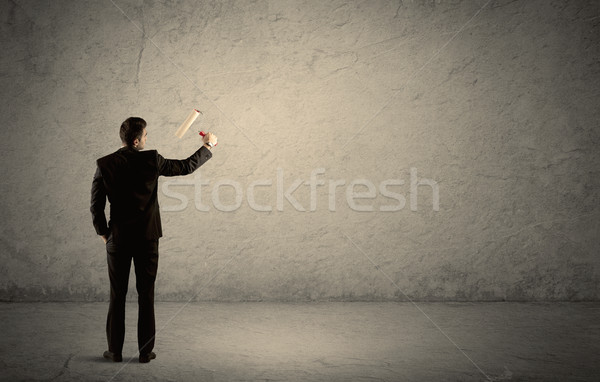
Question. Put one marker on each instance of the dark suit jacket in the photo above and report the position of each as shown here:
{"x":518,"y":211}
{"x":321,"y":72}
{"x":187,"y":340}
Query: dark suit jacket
{"x":129,"y":179}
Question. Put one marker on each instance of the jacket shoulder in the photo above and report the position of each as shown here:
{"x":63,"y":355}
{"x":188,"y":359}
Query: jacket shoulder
{"x":149,"y":153}
{"x":118,"y":156}
{"x":149,"y":157}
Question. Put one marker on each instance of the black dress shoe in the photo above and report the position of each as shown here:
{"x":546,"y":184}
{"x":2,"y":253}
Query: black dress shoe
{"x":113,"y":356}
{"x":145,"y":358}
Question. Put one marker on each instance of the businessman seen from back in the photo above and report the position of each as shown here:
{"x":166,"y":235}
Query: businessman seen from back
{"x":129,"y":179}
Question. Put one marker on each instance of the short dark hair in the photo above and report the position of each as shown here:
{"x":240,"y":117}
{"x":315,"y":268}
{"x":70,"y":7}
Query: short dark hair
{"x":131,"y":129}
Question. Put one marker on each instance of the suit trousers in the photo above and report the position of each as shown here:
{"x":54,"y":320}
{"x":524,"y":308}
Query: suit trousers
{"x":144,"y":254}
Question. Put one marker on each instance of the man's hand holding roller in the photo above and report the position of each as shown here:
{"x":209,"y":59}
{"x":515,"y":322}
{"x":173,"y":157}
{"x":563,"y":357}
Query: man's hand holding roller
{"x":210,"y":140}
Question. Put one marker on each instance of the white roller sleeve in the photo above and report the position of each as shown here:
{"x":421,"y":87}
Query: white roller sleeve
{"x":187,"y":123}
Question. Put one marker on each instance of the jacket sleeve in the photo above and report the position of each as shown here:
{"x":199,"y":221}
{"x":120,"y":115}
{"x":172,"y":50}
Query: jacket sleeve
{"x":174,"y":167}
{"x":98,"y":203}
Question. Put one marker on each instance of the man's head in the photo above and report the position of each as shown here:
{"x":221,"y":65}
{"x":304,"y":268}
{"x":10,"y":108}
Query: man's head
{"x":133,"y":133}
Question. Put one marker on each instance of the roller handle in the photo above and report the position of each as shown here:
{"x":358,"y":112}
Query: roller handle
{"x":202,"y":133}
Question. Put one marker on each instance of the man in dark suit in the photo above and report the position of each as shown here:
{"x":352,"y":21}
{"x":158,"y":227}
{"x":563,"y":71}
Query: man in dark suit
{"x":129,"y":178}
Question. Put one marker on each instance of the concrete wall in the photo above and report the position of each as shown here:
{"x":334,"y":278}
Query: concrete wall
{"x":492,"y":107}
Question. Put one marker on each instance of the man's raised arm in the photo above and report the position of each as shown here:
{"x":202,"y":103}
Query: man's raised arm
{"x":174,"y":167}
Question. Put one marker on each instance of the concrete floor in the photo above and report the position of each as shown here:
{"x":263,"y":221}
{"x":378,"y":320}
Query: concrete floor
{"x":309,"y":342}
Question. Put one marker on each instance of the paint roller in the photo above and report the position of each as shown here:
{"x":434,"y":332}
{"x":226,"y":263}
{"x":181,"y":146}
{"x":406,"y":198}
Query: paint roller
{"x":185,"y":126}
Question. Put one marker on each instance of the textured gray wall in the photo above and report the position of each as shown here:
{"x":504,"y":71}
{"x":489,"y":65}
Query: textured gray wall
{"x":494,"y":104}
